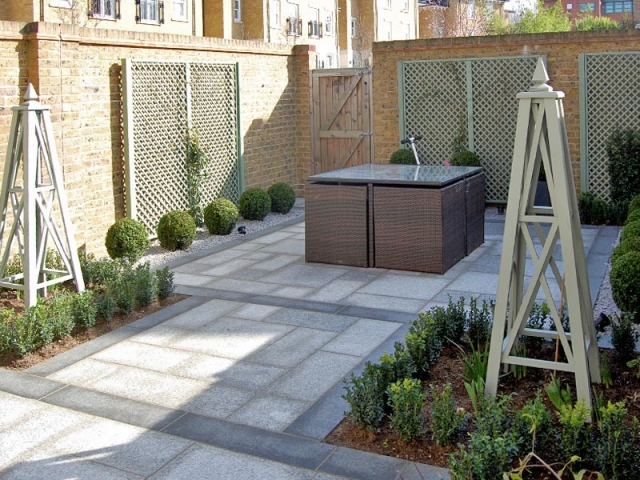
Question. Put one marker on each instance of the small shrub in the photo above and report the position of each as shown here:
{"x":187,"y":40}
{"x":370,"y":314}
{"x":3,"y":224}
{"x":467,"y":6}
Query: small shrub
{"x":559,"y":397}
{"x":122,"y":291}
{"x":99,"y":272}
{"x":617,"y":445}
{"x":630,"y":230}
{"x":402,"y":156}
{"x":406,"y":400}
{"x":625,"y":281}
{"x":25,"y":333}
{"x":536,"y":423}
{"x":146,"y":285}
{"x":633,"y":216}
{"x":623,"y":151}
{"x":255,"y":204}
{"x":106,"y":305}
{"x":617,"y":213}
{"x":631,"y":244}
{"x":479,"y":322}
{"x":423,"y":344}
{"x":623,"y":338}
{"x":485,"y":458}
{"x":587,"y":22}
{"x":466,"y":158}
{"x":538,"y":317}
{"x":574,"y":430}
{"x":176,"y":230}
{"x":446,"y":419}
{"x":165,"y":282}
{"x":220,"y":216}
{"x":593,"y":210}
{"x":634,"y":204}
{"x":456,"y":320}
{"x":84,"y":309}
{"x":365,"y":398}
{"x":398,"y":366}
{"x":128,"y":239}
{"x":495,"y":416}
{"x":282,"y":197}
{"x":59,"y":314}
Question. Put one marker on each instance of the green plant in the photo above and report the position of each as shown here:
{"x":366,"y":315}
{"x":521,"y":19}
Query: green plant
{"x":635,"y":363}
{"x":574,"y":430}
{"x":536,"y":424}
{"x":617,"y":445}
{"x":623,"y":338}
{"x":176,"y":230}
{"x":255,"y":204}
{"x":406,"y":400}
{"x":196,"y":162}
{"x":623,"y":151}
{"x":456,"y":320}
{"x":593,"y":210}
{"x":630,"y":230}
{"x":520,"y":371}
{"x":84,"y":309}
{"x":625,"y":281}
{"x":605,"y":371}
{"x":475,"y":390}
{"x":146,"y":285}
{"x":365,"y":398}
{"x":631,"y":244}
{"x":495,"y":416}
{"x":99,"y":272}
{"x":479,"y":322}
{"x":484,"y":458}
{"x":634,"y":204}
{"x":106,"y":305}
{"x":556,"y":394}
{"x":58,"y":313}
{"x":403,"y":156}
{"x":632,"y":216}
{"x":127,"y":239}
{"x":538,"y":317}
{"x":587,"y":22}
{"x":282,"y":197}
{"x":423,"y":344}
{"x":165,"y":285}
{"x":466,"y":158}
{"x":220,"y":216}
{"x":475,"y":364}
{"x":122,"y":291}
{"x":446,"y":419}
{"x":526,"y":466}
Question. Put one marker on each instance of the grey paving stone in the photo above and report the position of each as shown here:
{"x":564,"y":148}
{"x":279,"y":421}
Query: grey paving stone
{"x":244,"y":286}
{"x":209,"y":463}
{"x":116,"y":408}
{"x":59,"y":465}
{"x":362,"y":465}
{"x":379,"y":314}
{"x":202,"y":315}
{"x":276,"y":237}
{"x":203,"y":367}
{"x":191,"y":279}
{"x":232,"y":337}
{"x":84,"y":372}
{"x":250,"y":273}
{"x":313,"y":377}
{"x":254,"y":312}
{"x":295,"y":303}
{"x":217,"y":401}
{"x":251,"y":376}
{"x":150,"y":357}
{"x":475,"y":283}
{"x":382,"y":302}
{"x":289,"y":449}
{"x":229,"y":267}
{"x":161,"y":335}
{"x":14,"y":408}
{"x":27,"y":385}
{"x":420,"y":471}
{"x":362,"y":275}
{"x":223,"y":256}
{"x":127,"y":447}
{"x":192,"y":267}
{"x":486,"y":264}
{"x":336,"y":290}
{"x":305,"y":275}
{"x":293,"y":348}
{"x":276,"y":262}
{"x":293,"y":292}
{"x":290,"y":246}
{"x":269,"y":412}
{"x":414,"y":287}
{"x":169,"y":312}
{"x":361,"y":338}
{"x":316,"y":320}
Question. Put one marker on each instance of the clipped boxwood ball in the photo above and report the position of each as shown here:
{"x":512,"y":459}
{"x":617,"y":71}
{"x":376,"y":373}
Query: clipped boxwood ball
{"x":625,"y":282}
{"x":631,"y":244}
{"x":632,"y":216}
{"x":282,"y":197}
{"x":634,"y":204}
{"x":466,"y":158}
{"x":631,"y":229}
{"x":403,"y":156}
{"x":220,"y":216}
{"x":127,"y":238}
{"x":176,"y":230}
{"x":255,"y":204}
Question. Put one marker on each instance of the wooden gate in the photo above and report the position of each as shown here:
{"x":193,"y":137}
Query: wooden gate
{"x":342,"y":119}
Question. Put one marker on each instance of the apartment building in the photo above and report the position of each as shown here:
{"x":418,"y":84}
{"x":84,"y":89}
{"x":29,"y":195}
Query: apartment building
{"x":183,"y":17}
{"x":618,"y":10}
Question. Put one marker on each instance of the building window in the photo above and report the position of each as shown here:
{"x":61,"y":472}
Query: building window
{"x":180,"y":9}
{"x":407,"y":31}
{"x":60,"y":3}
{"x":387,"y":29}
{"x":329,"y":63}
{"x":294,"y":23}
{"x":587,"y":7}
{"x":618,"y":7}
{"x":105,"y":9}
{"x":236,"y":11}
{"x":328,"y":22}
{"x":150,"y":11}
{"x":405,"y":5}
{"x":569,"y":6}
{"x":353,"y":27}
{"x":275,"y":13}
{"x":315,"y":27}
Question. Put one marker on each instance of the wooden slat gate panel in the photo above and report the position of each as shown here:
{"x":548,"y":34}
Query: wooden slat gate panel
{"x":342,"y":119}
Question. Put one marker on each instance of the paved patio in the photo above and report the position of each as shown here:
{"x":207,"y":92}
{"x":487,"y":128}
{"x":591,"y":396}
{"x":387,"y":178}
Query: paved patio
{"x":243,"y":379}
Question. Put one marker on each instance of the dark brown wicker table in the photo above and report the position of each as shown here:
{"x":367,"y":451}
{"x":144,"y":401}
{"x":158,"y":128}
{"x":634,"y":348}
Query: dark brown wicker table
{"x":404,"y":217}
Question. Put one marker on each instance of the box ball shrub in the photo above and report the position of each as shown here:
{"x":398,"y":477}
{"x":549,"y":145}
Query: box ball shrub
{"x":632,"y":229}
{"x":625,"y":281}
{"x":466,"y":158}
{"x":282,"y":197}
{"x":255,"y":204}
{"x":176,"y":230}
{"x":631,"y":244}
{"x":127,"y":238}
{"x":634,"y":204}
{"x":403,"y":156}
{"x":220,"y":216}
{"x":632,"y":216}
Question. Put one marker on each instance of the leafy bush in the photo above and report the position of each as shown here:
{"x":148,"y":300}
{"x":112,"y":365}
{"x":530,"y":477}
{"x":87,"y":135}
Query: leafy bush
{"x":623,"y":338}
{"x":146,"y":285}
{"x":485,"y":458}
{"x":106,"y":305}
{"x":625,"y":281}
{"x":84,"y":309}
{"x":58,"y":313}
{"x":176,"y":230}
{"x":423,"y":344}
{"x":634,"y":204}
{"x":537,"y":320}
{"x":475,"y":364}
{"x":466,"y":158}
{"x":127,"y":239}
{"x":403,"y":156}
{"x":122,"y":291}
{"x":574,"y":430}
{"x":365,"y":398}
{"x":398,"y":366}
{"x":535,"y":422}
{"x":632,"y":229}
{"x":632,"y":216}
{"x":587,"y":22}
{"x":282,"y":197}
{"x":406,"y":400}
{"x":616,"y":449}
{"x":99,"y":272}
{"x":220,"y":216}
{"x":446,"y":419}
{"x":593,"y":211}
{"x":255,"y":204}
{"x":623,"y":151}
{"x":480,"y":320}
{"x":631,"y":244}
{"x":165,"y":285}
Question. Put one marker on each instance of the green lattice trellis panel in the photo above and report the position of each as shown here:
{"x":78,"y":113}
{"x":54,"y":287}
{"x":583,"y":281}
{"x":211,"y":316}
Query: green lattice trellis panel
{"x":610,"y":98}
{"x":162,"y":102}
{"x":471,"y":102}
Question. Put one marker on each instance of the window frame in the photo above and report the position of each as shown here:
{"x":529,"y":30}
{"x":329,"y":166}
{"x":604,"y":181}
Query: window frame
{"x":180,"y":18}
{"x":275,"y":13}
{"x":328,"y":22}
{"x":98,"y":13}
{"x":354,"y":27}
{"x":142,"y":7}
{"x":237,"y":11}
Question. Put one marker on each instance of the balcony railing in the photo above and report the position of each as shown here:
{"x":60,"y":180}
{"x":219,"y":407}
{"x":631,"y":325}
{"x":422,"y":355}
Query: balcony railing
{"x":294,"y":26}
{"x":315,"y":29}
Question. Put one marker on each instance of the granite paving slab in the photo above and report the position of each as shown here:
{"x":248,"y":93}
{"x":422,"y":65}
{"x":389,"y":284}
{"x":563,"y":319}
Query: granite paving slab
{"x":406,"y":286}
{"x":269,"y":412}
{"x":293,"y":348}
{"x":361,"y":337}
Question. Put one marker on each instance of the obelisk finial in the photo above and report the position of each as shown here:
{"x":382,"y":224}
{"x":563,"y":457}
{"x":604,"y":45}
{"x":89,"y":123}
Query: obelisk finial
{"x":540,"y":78}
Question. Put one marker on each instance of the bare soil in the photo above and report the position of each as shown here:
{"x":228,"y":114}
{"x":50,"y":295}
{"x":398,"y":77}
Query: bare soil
{"x":449,"y":369}
{"x":11,"y":361}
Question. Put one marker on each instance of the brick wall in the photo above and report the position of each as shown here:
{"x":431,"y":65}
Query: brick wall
{"x":561,"y":49}
{"x":77,"y":73}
